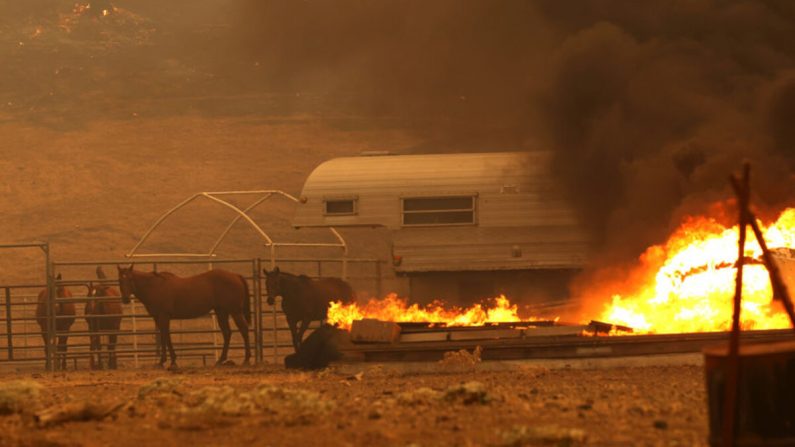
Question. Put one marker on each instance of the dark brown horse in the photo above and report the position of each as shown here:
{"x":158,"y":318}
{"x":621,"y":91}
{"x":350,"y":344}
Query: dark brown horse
{"x":167,"y":297}
{"x":305,"y":300}
{"x":103,"y":316}
{"x":62,"y":325}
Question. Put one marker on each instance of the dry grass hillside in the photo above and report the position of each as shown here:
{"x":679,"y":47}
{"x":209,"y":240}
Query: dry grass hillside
{"x":93,"y":191}
{"x":106,"y":121}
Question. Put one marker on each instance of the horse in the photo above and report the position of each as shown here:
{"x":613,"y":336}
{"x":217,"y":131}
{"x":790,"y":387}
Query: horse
{"x":303,"y":299}
{"x":102,"y":315}
{"x":166,"y":296}
{"x":62,"y":325}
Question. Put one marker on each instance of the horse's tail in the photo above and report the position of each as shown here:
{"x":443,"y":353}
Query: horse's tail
{"x":246,"y":301}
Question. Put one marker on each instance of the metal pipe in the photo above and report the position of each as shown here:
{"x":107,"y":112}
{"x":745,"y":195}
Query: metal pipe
{"x":25,"y":245}
{"x":235,"y":220}
{"x":10,"y":338}
{"x":159,"y":221}
{"x":243,"y":215}
{"x":50,"y":310}
{"x":257,"y":317}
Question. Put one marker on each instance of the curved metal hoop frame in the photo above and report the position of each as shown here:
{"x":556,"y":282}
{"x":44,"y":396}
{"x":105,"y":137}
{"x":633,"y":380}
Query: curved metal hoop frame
{"x":219,"y":197}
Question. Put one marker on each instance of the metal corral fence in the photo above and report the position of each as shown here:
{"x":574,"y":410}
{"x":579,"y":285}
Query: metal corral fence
{"x":195,"y":340}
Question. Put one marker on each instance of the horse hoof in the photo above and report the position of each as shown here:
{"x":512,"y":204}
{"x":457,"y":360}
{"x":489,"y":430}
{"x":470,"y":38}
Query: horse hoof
{"x":173,"y":367}
{"x":225,"y":363}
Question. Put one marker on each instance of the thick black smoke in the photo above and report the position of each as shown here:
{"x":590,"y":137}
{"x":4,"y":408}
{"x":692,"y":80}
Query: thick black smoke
{"x":647,"y":105}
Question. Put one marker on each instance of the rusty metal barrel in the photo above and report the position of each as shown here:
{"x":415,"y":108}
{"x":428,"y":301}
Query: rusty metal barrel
{"x":765,"y":395}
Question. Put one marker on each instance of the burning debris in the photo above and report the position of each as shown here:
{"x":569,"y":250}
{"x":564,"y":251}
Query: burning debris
{"x":686,"y":284}
{"x":395,"y":309}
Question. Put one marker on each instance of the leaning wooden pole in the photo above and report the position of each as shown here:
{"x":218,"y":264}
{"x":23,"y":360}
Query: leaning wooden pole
{"x":780,"y":291}
{"x":733,"y":367}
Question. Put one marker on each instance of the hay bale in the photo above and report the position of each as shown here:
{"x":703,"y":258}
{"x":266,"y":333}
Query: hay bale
{"x":19,"y":396}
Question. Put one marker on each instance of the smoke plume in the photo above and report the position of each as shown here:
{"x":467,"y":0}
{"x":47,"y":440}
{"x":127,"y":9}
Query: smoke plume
{"x":647,"y":105}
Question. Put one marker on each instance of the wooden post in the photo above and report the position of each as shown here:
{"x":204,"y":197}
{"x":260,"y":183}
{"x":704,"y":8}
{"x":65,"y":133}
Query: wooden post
{"x":732,"y":378}
{"x":780,"y":291}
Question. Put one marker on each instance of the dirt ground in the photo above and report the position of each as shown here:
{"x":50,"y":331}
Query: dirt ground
{"x":380,"y":405}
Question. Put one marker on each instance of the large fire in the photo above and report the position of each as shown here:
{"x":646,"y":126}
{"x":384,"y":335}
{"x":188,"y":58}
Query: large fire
{"x":684,"y":285}
{"x":687,"y":284}
{"x":393,"y":308}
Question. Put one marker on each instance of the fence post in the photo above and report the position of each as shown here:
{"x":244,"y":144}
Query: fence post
{"x":9,"y":328}
{"x":214,"y":323}
{"x":273,"y":308}
{"x":49,"y":345}
{"x":257,"y":317}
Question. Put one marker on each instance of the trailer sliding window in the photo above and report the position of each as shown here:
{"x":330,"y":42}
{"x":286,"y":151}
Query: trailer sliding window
{"x":450,"y":210}
{"x":339,"y":207}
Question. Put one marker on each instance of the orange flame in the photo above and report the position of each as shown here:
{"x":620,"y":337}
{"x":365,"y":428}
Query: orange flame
{"x":688,"y":282}
{"x":393,"y":308}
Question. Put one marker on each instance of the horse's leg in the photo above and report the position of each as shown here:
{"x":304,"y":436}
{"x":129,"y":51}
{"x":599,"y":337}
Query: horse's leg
{"x":44,"y":339}
{"x":167,"y":342}
{"x":301,"y":330}
{"x":242,"y":326}
{"x":92,"y":360}
{"x":112,"y":351}
{"x":223,"y":323}
{"x":293,"y":325}
{"x":62,"y":346}
{"x":159,"y":323}
{"x":99,"y":351}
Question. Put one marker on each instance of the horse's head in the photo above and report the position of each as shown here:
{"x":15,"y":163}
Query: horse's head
{"x":126,"y":283}
{"x":273,"y":284}
{"x":91,"y":290}
{"x":60,"y":289}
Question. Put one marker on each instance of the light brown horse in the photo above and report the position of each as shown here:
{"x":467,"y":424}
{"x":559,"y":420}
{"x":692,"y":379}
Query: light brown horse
{"x":167,"y":297}
{"x":62,"y":325}
{"x":102,"y":316}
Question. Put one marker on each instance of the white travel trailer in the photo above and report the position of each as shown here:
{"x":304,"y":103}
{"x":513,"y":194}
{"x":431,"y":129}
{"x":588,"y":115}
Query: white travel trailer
{"x":463,"y":226}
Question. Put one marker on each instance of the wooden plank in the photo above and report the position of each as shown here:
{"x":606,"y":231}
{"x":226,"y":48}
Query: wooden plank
{"x":425,"y":349}
{"x":415,"y":337}
{"x":554,"y":331}
{"x":485,"y":334}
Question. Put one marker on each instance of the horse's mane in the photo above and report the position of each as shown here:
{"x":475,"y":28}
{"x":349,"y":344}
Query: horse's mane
{"x":291,"y":275}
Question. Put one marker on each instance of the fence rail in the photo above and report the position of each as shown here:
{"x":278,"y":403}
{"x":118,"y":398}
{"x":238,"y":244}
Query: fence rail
{"x":26,"y":341}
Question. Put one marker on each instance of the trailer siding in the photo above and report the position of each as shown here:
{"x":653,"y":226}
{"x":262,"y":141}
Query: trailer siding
{"x":519,"y":209}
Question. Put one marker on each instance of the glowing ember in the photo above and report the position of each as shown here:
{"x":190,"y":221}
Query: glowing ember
{"x":397,"y":309}
{"x":693,"y":286}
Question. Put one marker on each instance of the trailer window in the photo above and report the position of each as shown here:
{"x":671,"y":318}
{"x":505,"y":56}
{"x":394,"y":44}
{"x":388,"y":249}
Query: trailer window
{"x":457,"y":210}
{"x":340,"y":207}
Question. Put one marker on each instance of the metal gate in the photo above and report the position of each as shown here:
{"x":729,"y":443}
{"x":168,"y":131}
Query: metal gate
{"x":196,"y":340}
